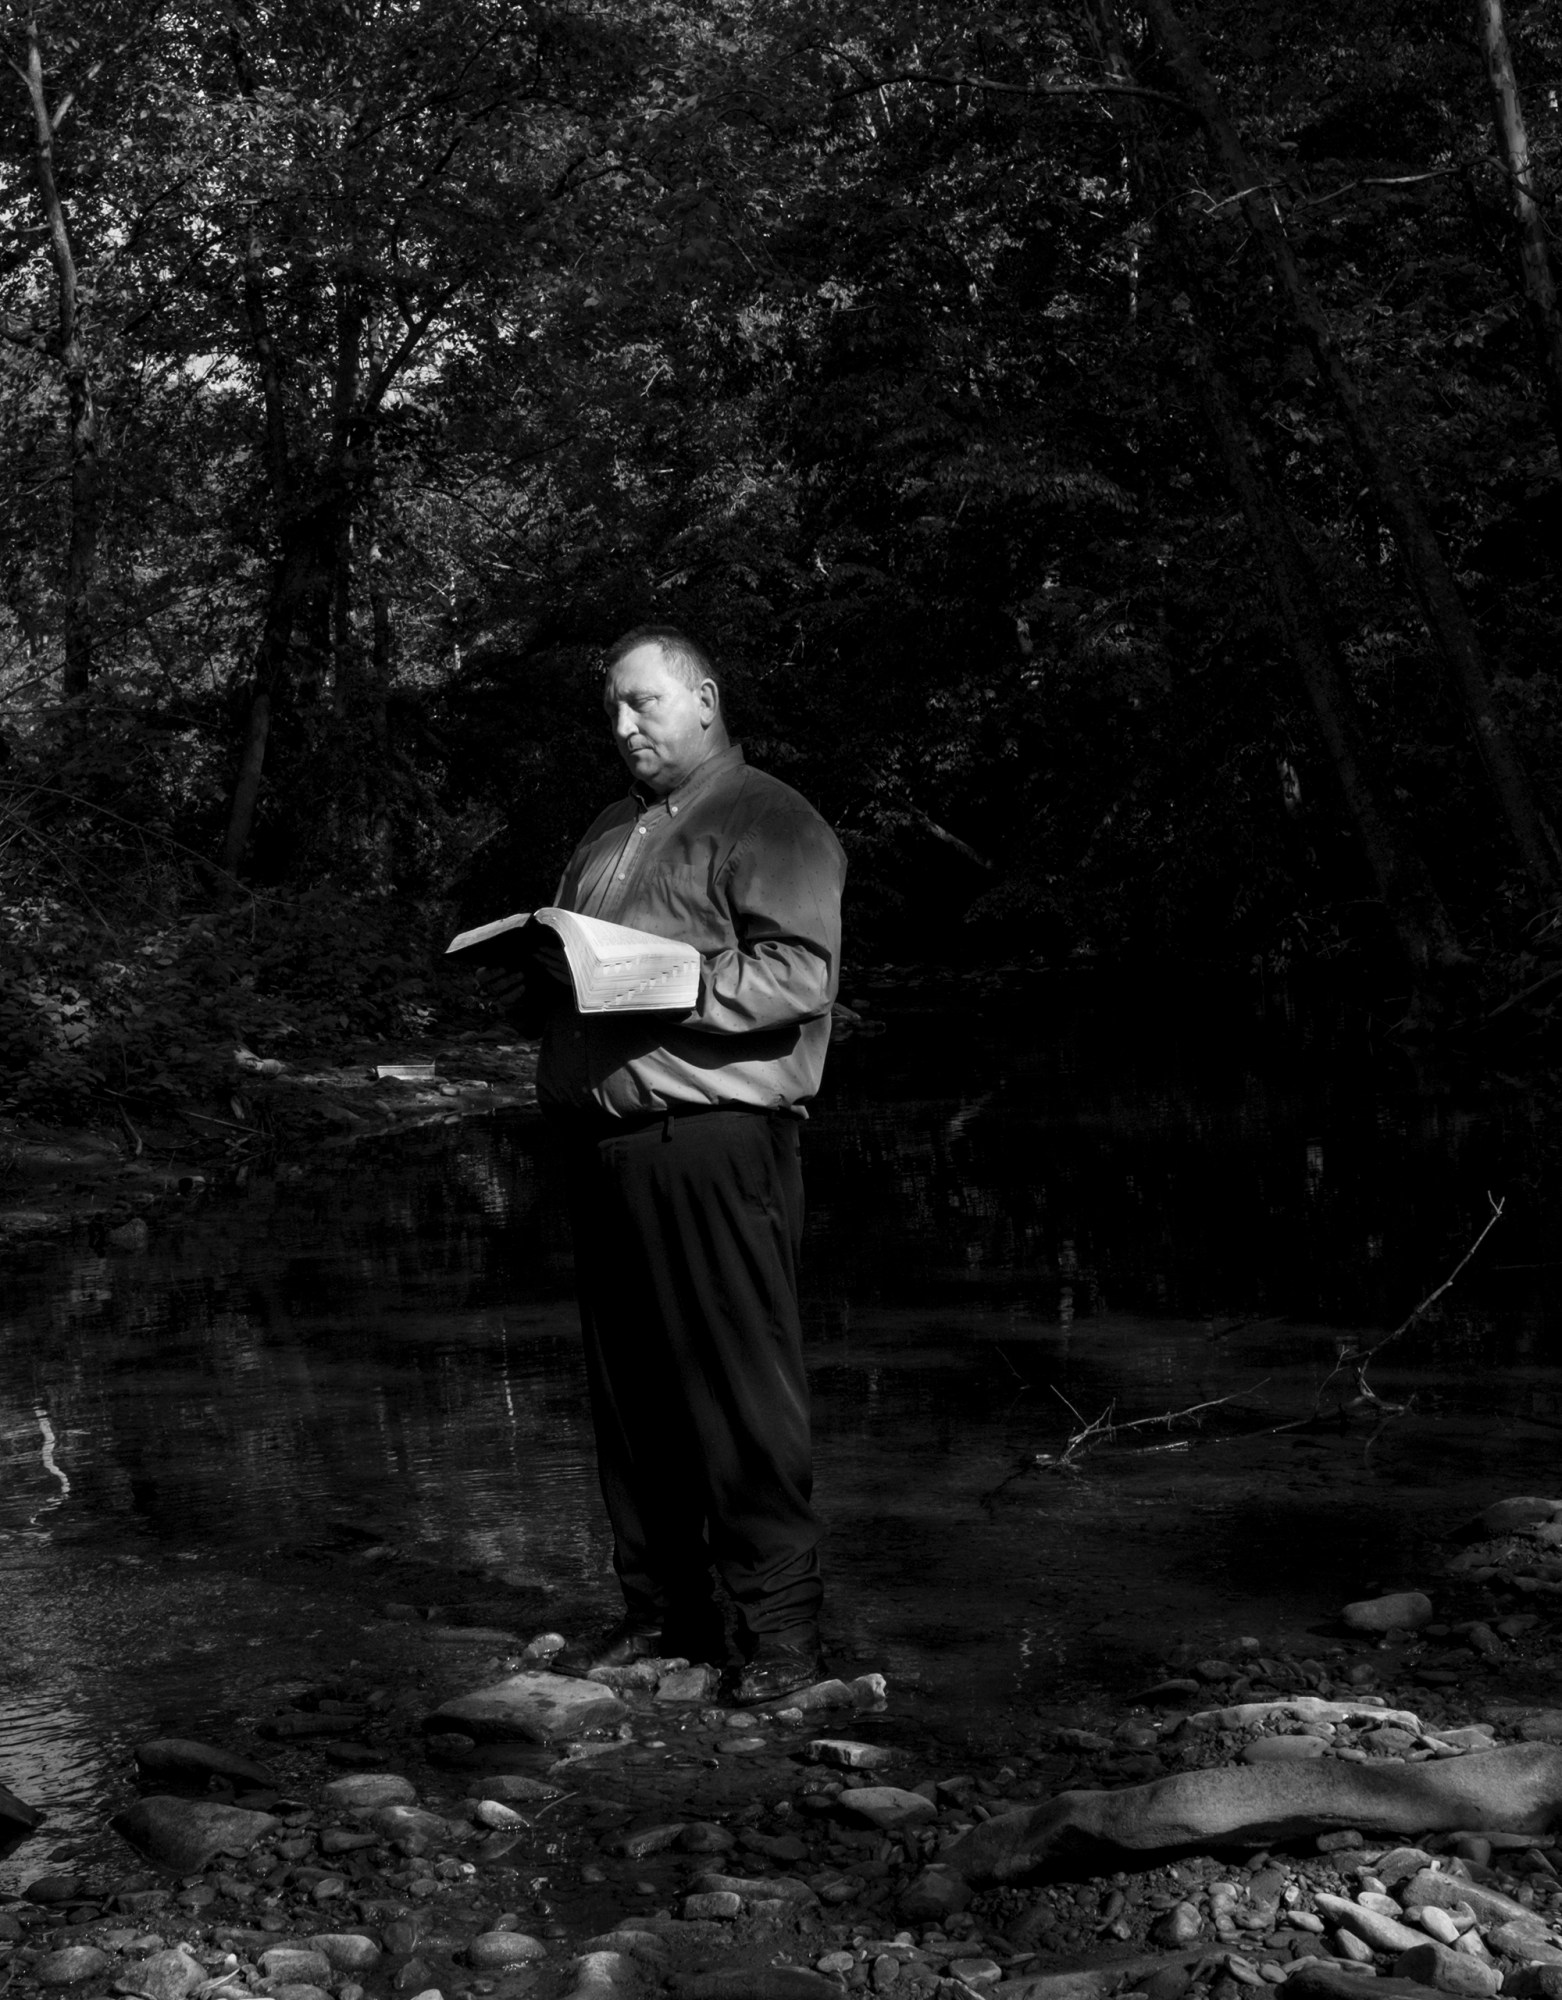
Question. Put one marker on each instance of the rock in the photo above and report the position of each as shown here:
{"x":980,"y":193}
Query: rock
{"x":292,"y":1965}
{"x":76,"y":1962}
{"x":183,"y":1759}
{"x":884,"y":1806}
{"x":1540,"y":1725}
{"x":1534,"y":1982}
{"x":495,"y":1951}
{"x":1381,"y":1932}
{"x":1437,"y":1924}
{"x":510,"y":1787}
{"x":936,"y":1893}
{"x":1180,"y":1926}
{"x":1432,"y":1887}
{"x":165,"y":1975}
{"x":184,"y":1835}
{"x":704,"y":1837}
{"x":645,"y":1840}
{"x":296,"y":1989}
{"x":604,"y":1971}
{"x":1399,"y":1611}
{"x":976,"y":1972}
{"x":1525,"y":1510}
{"x":762,"y":1889}
{"x":50,"y":1890}
{"x":412,"y":1823}
{"x":367,"y":1789}
{"x":1517,"y":1787}
{"x":348,"y":1951}
{"x":1315,"y":1980}
{"x":17,"y":1817}
{"x":1530,"y":1941}
{"x":1167,"y":1694}
{"x":1307,"y":1708}
{"x":687,"y":1684}
{"x":531,"y":1707}
{"x":1147,"y":1973}
{"x":717,"y":1905}
{"x":846,"y":1755}
{"x":760,"y":1982}
{"x":1282,"y":1749}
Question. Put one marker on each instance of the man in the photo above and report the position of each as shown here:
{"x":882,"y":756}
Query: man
{"x":681,"y":1138}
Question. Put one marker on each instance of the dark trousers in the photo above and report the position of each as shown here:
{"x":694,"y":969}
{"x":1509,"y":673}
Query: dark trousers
{"x":686,"y":1239}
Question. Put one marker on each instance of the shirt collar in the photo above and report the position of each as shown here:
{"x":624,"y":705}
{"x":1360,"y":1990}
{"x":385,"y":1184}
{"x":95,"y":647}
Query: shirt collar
{"x":696,"y":782}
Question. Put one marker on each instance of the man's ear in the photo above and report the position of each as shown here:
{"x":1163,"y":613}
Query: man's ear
{"x":710,"y":702}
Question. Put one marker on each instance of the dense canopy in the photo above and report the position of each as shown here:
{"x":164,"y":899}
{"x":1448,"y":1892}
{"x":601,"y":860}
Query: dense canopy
{"x":1113,"y":450}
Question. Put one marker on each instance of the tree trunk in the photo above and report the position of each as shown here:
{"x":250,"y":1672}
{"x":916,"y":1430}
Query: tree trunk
{"x":1404,"y":887}
{"x":1436,"y":592}
{"x":1540,"y":288}
{"x":86,"y":484}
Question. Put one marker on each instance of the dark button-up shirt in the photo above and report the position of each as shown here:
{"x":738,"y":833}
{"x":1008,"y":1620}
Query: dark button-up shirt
{"x":741,"y":867}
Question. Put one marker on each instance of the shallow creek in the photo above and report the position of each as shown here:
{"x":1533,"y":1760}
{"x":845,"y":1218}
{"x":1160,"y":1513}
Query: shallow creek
{"x":358,"y":1380}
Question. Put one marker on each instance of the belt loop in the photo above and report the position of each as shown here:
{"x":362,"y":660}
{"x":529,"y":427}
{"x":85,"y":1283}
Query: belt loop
{"x":667,"y":1129}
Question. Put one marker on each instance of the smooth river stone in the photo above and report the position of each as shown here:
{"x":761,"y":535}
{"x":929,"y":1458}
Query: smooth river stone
{"x":368,"y":1789}
{"x":1382,"y":1933}
{"x":884,"y":1806}
{"x":290,"y":1965}
{"x":1433,"y":1964}
{"x":166,"y":1975}
{"x":496,"y":1951}
{"x":183,"y":1835}
{"x":75,"y":1962}
{"x":1432,"y":1888}
{"x":532,"y":1707}
{"x":348,"y":1951}
{"x":1399,"y":1611}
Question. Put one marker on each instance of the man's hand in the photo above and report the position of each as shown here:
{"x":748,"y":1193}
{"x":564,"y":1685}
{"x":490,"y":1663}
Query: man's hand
{"x":546,"y":967}
{"x":504,"y":985}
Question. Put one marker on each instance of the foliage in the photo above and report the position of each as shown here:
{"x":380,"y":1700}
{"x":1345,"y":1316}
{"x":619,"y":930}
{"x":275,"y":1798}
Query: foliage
{"x":434,"y":345}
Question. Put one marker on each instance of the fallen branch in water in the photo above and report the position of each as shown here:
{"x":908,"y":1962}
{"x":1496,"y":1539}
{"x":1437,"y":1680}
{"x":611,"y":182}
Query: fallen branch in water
{"x":1355,"y":1359}
{"x":1102,"y":1430}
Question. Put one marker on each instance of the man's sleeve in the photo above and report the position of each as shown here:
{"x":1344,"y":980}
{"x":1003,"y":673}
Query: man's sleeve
{"x":782,"y":889}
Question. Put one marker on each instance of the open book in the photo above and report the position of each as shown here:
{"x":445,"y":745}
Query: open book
{"x":615,"y":970}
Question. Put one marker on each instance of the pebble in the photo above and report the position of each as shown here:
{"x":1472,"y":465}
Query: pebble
{"x":348,"y":1951}
{"x":977,"y":1971}
{"x":1433,"y":1964}
{"x":837,"y":1963}
{"x":742,"y":1745}
{"x":884,"y":1806}
{"x":1398,"y":1611}
{"x":165,"y":1975}
{"x":847,"y":1755}
{"x":291,"y":1965}
{"x":494,"y":1812}
{"x":1436,"y":1923}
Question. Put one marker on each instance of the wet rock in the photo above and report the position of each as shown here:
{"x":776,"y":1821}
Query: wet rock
{"x":546,"y":1646}
{"x":1399,"y":1611}
{"x":1282,"y":1749}
{"x":184,"y":1835}
{"x":884,"y":1806}
{"x":532,"y":1707}
{"x":688,"y":1684}
{"x":1098,"y":1982}
{"x":1534,"y":1982}
{"x":846,"y":1755}
{"x":1518,"y":1788}
{"x":165,"y":1975}
{"x":497,"y":1951}
{"x":713,"y":1906}
{"x":645,"y":1840}
{"x":936,"y":1893}
{"x":1310,"y":1709}
{"x":348,"y":1951}
{"x":369,"y":1789}
{"x":71,"y":1965}
{"x":763,"y":1889}
{"x":1540,"y":1725}
{"x":292,"y":1965}
{"x":16,"y":1815}
{"x":411,"y":1823}
{"x":185,"y":1760}
{"x":296,"y":1989}
{"x":976,"y":1972}
{"x":604,"y":1972}
{"x":1317,"y":1981}
{"x":1525,"y":1510}
{"x":56,"y":1889}
{"x":493,"y":1813}
{"x":741,"y":1746}
{"x":705,"y":1838}
{"x":512,"y":1788}
{"x":1437,"y":1924}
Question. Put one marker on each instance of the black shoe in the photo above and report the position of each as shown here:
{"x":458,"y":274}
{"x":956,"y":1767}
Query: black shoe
{"x":779,"y":1667}
{"x":621,"y":1645}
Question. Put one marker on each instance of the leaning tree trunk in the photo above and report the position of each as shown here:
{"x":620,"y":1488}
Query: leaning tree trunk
{"x":1442,"y":608}
{"x":1540,"y":288}
{"x":86,"y":482}
{"x":1404,"y":887}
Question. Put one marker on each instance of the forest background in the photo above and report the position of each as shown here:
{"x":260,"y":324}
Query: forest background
{"x":1113,"y":451}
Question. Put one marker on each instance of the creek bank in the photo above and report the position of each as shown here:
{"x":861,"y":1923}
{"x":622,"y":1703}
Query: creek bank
{"x":806,"y":1849}
{"x":121,"y":1180}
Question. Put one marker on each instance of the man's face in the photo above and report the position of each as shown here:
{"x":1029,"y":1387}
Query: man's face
{"x":662,"y":728}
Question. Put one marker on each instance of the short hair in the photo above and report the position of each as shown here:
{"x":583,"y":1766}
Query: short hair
{"x":688,"y":661}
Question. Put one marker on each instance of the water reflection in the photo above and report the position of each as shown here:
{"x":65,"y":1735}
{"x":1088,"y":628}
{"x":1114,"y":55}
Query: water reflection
{"x":1086,"y":1195}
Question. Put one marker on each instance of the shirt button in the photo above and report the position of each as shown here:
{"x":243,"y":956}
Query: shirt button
{"x":672,"y":809}
{"x":620,"y":874}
